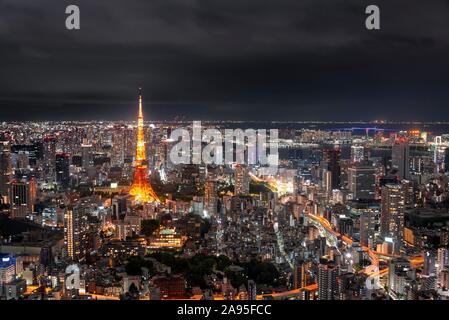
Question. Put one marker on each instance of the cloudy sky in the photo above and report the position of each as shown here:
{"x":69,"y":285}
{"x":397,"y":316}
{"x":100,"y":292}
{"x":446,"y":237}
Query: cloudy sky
{"x":225,"y":59}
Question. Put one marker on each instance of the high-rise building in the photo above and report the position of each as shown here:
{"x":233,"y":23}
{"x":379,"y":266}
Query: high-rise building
{"x":446,"y":160}
{"x":63,"y":169}
{"x":328,"y":272}
{"x":362,"y":180}
{"x":32,"y":192}
{"x":345,"y":225}
{"x":118,"y":146}
{"x":400,"y":158}
{"x":332,"y":161}
{"x":442,"y":259}
{"x":129,"y":139}
{"x":409,"y":192}
{"x":87,"y":156}
{"x":444,"y":278}
{"x":32,"y":151}
{"x":6,"y":171}
{"x":128,"y":226}
{"x":400,"y":276}
{"x":75,"y":233}
{"x":327,"y":181}
{"x":439,"y":153}
{"x":392,"y":214}
{"x":141,"y":188}
{"x":21,"y":199}
{"x":241,"y":177}
{"x":49,"y":157}
{"x":7,"y":270}
{"x":299,"y":275}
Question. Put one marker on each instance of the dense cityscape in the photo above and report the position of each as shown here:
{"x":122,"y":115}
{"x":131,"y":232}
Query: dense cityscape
{"x":98,"y":211}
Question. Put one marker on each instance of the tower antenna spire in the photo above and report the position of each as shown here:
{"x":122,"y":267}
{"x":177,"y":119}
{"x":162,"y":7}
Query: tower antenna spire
{"x":141,"y":188}
{"x":140,"y":103}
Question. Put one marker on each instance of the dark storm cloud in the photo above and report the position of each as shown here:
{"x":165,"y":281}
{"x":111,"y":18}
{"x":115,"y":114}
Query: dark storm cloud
{"x":216,"y":59}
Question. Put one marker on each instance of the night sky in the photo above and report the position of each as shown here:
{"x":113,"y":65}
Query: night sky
{"x":225,"y":60}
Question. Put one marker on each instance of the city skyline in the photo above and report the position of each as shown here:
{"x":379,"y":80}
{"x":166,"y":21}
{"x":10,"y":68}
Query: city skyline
{"x":347,"y":214}
{"x":280,"y":60}
{"x":234,"y":152}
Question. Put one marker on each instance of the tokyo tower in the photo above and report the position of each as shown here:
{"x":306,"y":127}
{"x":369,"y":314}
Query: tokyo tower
{"x":141,"y":188}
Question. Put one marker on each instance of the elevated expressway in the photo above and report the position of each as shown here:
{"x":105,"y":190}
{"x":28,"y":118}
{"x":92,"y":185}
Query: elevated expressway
{"x":332,"y":236}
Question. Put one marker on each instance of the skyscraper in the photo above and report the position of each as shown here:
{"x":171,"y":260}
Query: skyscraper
{"x":49,"y":157}
{"x":446,"y":160}
{"x":392,"y":213}
{"x":75,"y":233}
{"x":442,"y":259}
{"x":86,"y":154}
{"x":439,"y":154}
{"x":6,"y":172}
{"x":400,"y":158}
{"x":7,"y":270}
{"x":328,"y":272}
{"x":299,"y":274}
{"x":20,"y":199}
{"x":141,"y":188}
{"x":62,"y":169}
{"x":332,"y":160}
{"x":362,"y":182}
{"x":118,"y":146}
{"x":32,"y":151}
{"x":400,"y":276}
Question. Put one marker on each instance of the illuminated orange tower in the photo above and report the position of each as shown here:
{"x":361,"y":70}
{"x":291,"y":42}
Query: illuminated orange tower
{"x":141,"y":188}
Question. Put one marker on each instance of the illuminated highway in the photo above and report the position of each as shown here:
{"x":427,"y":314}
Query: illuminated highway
{"x":332,"y":238}
{"x":374,"y":255}
{"x":348,"y":241}
{"x":287,"y":294}
{"x":281,"y":188}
